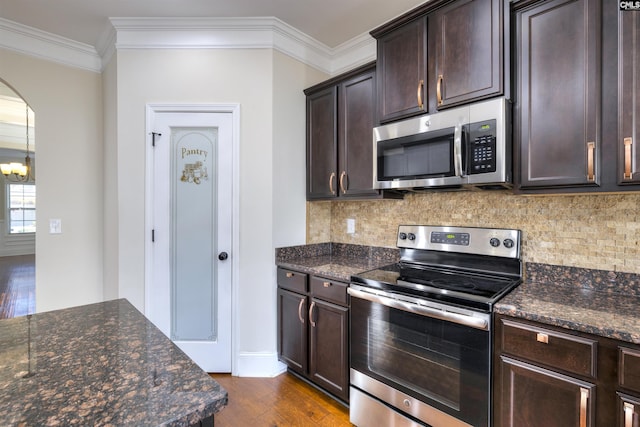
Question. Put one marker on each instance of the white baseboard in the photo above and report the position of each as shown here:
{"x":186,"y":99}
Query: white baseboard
{"x":259,"y":364}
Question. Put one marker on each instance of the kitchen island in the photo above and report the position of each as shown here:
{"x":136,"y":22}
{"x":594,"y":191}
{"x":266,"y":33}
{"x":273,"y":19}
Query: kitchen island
{"x":101,"y":364}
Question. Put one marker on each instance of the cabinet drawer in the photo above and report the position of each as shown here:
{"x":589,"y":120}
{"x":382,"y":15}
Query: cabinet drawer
{"x":629,"y":368}
{"x":555,"y":349}
{"x":329,"y":290}
{"x":292,"y":280}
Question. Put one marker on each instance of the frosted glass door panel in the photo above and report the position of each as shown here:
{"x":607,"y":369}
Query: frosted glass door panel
{"x":193,"y":240}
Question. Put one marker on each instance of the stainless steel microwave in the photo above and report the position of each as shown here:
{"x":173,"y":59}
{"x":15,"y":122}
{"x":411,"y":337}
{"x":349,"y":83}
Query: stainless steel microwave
{"x":459,"y":148}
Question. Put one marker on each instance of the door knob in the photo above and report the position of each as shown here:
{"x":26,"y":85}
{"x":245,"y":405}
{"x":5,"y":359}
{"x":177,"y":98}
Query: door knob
{"x":223,"y":256}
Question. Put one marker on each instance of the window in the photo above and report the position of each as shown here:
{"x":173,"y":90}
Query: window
{"x":22,"y":208}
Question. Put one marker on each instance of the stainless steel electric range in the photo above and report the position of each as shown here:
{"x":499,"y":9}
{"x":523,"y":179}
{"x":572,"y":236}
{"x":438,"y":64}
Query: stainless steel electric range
{"x":421,"y":328}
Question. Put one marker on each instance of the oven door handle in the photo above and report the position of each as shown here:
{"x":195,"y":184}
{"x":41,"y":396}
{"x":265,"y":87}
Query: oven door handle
{"x":461,"y":319}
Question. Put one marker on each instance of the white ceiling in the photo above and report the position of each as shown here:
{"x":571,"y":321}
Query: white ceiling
{"x":331,"y":22}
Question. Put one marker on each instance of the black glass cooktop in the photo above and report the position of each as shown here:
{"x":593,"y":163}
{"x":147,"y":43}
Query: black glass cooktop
{"x":446,"y":285}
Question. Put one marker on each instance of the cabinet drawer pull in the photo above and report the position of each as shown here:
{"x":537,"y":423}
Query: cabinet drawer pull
{"x":313,"y":324}
{"x":326,"y":284}
{"x":300,"y":311}
{"x":628,"y":145}
{"x":543,"y":338}
{"x":342,"y":175}
{"x":591,"y":149}
{"x":584,"y":397}
{"x":419,"y":94}
{"x":439,"y":89}
{"x":290,"y":275}
{"x":331,"y":177}
{"x":628,"y":409}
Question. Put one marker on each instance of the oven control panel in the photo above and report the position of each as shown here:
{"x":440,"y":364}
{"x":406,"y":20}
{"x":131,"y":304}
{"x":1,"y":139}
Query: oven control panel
{"x":481,"y":241}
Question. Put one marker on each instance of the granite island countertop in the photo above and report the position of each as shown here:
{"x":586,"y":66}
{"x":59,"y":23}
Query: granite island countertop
{"x":100,"y":364}
{"x":597,"y":302}
{"x":336,"y":261}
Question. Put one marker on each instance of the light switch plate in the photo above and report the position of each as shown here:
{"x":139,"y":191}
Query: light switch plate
{"x":55,"y":226}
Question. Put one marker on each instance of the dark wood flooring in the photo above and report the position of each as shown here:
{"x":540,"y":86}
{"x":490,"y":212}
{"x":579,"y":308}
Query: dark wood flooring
{"x":277,"y":402}
{"x":17,"y":286}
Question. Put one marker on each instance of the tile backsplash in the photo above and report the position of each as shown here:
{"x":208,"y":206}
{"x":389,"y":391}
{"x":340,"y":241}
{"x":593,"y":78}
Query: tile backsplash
{"x":588,"y":231}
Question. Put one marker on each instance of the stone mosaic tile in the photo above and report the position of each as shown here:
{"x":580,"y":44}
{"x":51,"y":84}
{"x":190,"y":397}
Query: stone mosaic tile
{"x":587,"y":231}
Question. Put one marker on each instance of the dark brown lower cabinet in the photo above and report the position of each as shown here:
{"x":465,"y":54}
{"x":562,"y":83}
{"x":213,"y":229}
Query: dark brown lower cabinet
{"x":292,"y":348}
{"x":628,"y":411}
{"x":534,"y":396}
{"x":313,"y":330}
{"x":547,"y":376}
{"x":328,"y":347}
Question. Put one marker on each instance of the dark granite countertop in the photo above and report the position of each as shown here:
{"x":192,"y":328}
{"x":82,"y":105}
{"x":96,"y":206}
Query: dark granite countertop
{"x":336,"y":261}
{"x":592,"y":301}
{"x":101,"y":364}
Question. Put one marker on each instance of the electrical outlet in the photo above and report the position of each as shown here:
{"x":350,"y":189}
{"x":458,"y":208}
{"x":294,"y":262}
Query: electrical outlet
{"x":351,"y":226}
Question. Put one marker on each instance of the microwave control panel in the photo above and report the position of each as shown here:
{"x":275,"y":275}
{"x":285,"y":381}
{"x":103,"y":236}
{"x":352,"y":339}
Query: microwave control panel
{"x":481,"y":148}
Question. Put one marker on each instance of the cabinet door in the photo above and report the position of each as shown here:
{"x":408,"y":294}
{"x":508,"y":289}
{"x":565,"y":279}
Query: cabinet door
{"x":535,"y":397}
{"x":628,"y":411}
{"x":322,"y":178}
{"x":292,"y":330}
{"x":556,"y":116}
{"x":355,"y":138}
{"x":468,"y":50}
{"x":402,"y":71}
{"x":328,"y":347}
{"x":629,"y":97}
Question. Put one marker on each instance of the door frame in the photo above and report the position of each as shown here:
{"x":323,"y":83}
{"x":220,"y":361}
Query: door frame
{"x":151,"y":110}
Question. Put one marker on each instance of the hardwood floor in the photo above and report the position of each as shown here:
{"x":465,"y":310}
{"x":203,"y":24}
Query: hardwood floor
{"x":17,"y":286}
{"x":276,"y":402}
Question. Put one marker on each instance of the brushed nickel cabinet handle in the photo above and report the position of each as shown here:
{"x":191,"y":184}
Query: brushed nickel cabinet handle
{"x":584,"y":397}
{"x":300,"y":311}
{"x":342,"y":175}
{"x":313,"y":324}
{"x":628,"y":144}
{"x":543,"y":338}
{"x":628,"y":409}
{"x":439,"y":89}
{"x":591,"y":149}
{"x":289,"y":275}
{"x":419,"y":94}
{"x":331,"y":177}
{"x":326,"y":284}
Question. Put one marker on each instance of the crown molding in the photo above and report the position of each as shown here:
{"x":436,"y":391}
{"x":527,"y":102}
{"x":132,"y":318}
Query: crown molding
{"x":40,"y":44}
{"x":188,"y":33}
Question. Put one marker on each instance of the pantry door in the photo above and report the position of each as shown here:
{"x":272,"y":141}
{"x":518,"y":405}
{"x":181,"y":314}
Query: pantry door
{"x":190,"y":220}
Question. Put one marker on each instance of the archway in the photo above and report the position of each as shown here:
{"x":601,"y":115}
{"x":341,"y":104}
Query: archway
{"x":17,"y":204}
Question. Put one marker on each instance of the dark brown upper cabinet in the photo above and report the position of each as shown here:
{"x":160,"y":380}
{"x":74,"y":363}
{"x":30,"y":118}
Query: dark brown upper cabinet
{"x":340,"y":122}
{"x":441,"y":54}
{"x":402,"y":71}
{"x":576,"y":68}
{"x":629,"y":97}
{"x":556,"y":112}
{"x":467,"y":50}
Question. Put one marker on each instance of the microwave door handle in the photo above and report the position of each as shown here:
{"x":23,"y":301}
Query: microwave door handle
{"x":457,"y":151}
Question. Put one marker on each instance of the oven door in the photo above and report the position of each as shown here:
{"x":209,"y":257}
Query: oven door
{"x":428,"y":360}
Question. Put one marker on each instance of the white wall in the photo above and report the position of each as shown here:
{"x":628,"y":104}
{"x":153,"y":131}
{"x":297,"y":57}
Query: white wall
{"x":100,"y":254}
{"x":244,"y":76}
{"x":110,"y":188}
{"x":68,"y":106}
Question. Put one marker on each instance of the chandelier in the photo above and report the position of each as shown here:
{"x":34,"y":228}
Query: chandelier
{"x":17,"y":172}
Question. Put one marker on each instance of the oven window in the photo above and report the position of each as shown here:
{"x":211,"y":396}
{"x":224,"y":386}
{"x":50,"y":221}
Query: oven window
{"x":417,"y":360}
{"x":416,"y":156}
{"x":441,"y":363}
